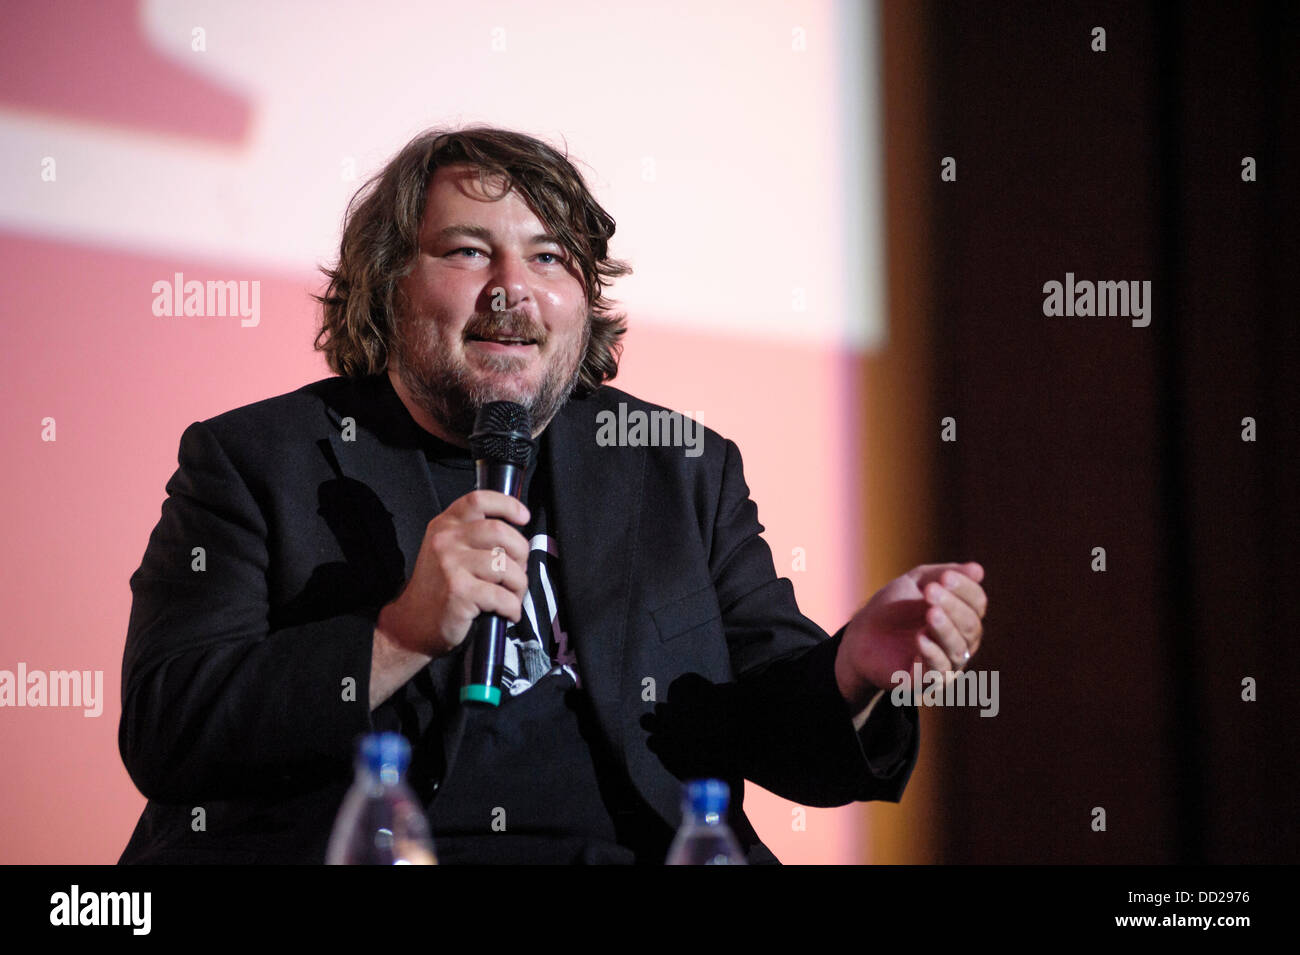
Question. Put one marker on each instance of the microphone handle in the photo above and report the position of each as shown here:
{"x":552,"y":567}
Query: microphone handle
{"x":487,"y":635}
{"x":498,"y":476}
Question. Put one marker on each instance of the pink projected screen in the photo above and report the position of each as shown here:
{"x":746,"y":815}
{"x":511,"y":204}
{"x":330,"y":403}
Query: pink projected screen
{"x":735,"y":143}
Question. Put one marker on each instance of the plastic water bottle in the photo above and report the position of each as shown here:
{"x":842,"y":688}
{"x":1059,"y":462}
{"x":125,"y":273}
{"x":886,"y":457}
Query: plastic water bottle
{"x":381,"y":822}
{"x":704,"y":837}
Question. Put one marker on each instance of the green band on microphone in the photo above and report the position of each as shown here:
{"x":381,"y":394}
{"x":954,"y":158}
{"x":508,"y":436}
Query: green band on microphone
{"x":478,"y":693}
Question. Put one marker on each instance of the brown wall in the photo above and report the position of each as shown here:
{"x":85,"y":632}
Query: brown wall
{"x":1121,"y":689}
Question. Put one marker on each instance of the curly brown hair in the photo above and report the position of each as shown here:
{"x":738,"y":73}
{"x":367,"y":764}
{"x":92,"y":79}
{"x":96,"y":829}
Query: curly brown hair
{"x":381,"y":231}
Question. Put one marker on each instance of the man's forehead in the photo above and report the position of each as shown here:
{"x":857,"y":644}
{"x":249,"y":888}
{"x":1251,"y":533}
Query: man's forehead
{"x":469,"y":182}
{"x":456,"y":194}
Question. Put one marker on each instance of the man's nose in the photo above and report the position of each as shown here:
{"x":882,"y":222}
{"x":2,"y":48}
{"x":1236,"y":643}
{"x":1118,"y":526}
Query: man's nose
{"x":508,"y":283}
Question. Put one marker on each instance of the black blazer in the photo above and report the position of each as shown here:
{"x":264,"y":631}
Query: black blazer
{"x":245,"y":679}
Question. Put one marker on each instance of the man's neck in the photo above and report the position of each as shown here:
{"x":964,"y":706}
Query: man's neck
{"x":431,"y":424}
{"x":421,"y":416}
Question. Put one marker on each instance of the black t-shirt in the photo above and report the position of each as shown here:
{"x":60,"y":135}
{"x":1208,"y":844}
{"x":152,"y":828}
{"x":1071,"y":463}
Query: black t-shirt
{"x":533,"y":780}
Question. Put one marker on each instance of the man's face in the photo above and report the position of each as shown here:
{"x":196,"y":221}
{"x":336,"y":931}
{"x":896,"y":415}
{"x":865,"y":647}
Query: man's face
{"x":491,"y":311}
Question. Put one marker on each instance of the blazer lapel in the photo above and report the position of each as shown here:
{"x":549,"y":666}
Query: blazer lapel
{"x":597,"y":503}
{"x":373,"y":442}
{"x":382,"y":448}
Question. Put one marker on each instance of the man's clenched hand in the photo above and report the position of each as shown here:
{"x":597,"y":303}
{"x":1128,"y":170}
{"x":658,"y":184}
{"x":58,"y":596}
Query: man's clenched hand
{"x":471,"y":562}
{"x":932,"y":614}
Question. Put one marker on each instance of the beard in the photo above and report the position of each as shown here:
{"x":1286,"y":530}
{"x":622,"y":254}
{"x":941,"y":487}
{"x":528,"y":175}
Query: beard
{"x":453,"y":392}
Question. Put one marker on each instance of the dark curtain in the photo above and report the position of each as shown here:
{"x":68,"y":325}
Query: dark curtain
{"x":1120,"y":690}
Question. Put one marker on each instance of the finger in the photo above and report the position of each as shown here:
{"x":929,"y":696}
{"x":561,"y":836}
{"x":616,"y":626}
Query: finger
{"x":968,"y":589}
{"x":491,"y":598}
{"x":928,"y":573}
{"x":497,"y":568}
{"x":932,"y":655}
{"x":480,"y":504}
{"x":925,"y":573}
{"x":941,"y":630}
{"x":953,"y":577}
{"x":958,"y":611}
{"x":490,"y":533}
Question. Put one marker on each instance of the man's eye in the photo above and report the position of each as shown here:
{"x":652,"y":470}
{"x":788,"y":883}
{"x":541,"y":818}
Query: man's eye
{"x":546,"y":258}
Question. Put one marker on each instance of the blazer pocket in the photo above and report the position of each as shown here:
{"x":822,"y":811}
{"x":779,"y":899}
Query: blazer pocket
{"x":686,"y":615}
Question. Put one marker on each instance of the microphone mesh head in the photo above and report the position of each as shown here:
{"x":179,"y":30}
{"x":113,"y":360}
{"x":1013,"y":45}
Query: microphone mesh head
{"x":503,"y":431}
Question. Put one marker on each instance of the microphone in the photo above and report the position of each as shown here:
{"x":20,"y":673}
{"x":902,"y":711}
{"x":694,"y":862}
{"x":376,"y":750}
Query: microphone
{"x":503,"y":447}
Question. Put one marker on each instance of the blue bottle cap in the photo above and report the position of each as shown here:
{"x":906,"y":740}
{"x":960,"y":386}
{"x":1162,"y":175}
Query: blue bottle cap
{"x":386,"y":754}
{"x":707,"y":797}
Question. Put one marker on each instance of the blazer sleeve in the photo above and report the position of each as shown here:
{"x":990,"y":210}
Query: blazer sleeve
{"x":794,"y":729}
{"x":216,"y":704}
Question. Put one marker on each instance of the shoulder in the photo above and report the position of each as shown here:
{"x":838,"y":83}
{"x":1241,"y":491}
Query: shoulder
{"x":276,"y":434}
{"x":612,"y":418}
{"x":310,"y":409}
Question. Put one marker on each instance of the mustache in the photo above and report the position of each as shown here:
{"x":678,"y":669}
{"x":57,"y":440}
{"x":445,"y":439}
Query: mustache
{"x":503,"y":325}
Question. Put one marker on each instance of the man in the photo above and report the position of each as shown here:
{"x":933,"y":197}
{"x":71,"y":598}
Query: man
{"x":321,"y":556}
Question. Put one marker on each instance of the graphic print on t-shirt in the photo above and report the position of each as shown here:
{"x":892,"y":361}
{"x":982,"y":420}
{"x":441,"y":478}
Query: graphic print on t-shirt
{"x":537,"y":644}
